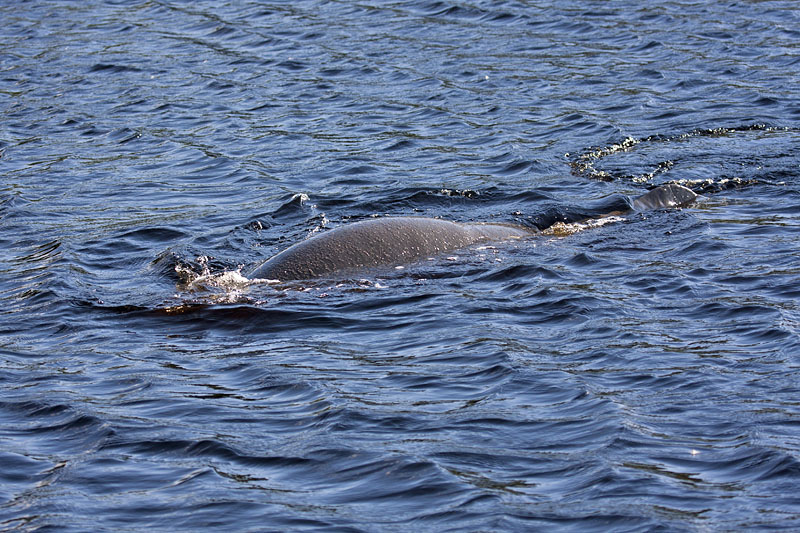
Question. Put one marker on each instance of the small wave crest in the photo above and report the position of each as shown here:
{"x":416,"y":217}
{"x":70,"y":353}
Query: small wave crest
{"x":227,"y":286}
{"x":564,"y":229}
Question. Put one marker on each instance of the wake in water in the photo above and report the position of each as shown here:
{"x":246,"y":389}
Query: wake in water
{"x":704,"y":160}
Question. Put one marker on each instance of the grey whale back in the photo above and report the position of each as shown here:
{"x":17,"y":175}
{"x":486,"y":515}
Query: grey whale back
{"x":391,"y":241}
{"x":671,"y":195}
{"x":378,"y":242}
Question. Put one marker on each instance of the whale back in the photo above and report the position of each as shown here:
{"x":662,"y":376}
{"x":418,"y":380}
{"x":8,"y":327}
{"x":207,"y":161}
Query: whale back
{"x":666,"y":196}
{"x":377,"y":242}
{"x":391,"y":241}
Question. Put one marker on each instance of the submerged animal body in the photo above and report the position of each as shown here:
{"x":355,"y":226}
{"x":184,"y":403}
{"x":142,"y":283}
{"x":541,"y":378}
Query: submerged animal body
{"x":383,"y":242}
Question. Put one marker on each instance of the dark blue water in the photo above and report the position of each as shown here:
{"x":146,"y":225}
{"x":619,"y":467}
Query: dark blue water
{"x":636,"y":376}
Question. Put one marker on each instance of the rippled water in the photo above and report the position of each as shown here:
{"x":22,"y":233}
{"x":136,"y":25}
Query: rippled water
{"x":640,"y":375}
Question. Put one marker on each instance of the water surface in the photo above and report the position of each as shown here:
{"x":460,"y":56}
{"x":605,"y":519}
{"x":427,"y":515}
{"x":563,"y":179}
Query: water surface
{"x":634,"y":376}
